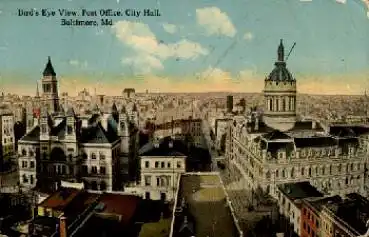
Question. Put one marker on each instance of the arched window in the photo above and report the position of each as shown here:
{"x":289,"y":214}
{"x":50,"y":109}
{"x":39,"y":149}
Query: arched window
{"x":122,"y":125}
{"x":277,"y":173}
{"x":283,"y":104}
{"x":156,"y":164}
{"x":277,"y":104}
{"x":93,"y":156}
{"x":292,"y":172}
{"x":24,"y":152}
{"x":309,"y":172}
{"x":302,"y":171}
{"x":283,"y":173}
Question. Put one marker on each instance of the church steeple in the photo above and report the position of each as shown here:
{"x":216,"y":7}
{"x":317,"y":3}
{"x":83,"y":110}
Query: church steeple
{"x":49,"y":69}
{"x":49,"y":82}
{"x":281,"y":52}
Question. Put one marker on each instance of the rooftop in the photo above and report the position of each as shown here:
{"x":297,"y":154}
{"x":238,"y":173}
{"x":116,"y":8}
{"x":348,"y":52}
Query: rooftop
{"x":124,"y":206}
{"x":60,"y":199}
{"x":299,"y":190}
{"x":354,"y":211}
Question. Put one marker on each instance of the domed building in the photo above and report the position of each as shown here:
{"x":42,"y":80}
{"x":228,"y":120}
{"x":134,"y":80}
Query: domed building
{"x":265,"y":149}
{"x":280,"y":95}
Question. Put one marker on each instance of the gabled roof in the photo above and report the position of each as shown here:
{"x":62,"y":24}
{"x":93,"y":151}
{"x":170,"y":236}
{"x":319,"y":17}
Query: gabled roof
{"x":70,"y":112}
{"x":59,"y":130}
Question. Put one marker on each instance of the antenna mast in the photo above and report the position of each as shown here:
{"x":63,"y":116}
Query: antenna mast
{"x":293,"y":46}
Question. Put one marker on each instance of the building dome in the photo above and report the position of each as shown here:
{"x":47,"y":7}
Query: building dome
{"x":280,"y":73}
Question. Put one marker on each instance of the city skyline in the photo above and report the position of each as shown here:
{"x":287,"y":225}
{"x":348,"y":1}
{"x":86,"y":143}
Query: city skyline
{"x":204,"y":47}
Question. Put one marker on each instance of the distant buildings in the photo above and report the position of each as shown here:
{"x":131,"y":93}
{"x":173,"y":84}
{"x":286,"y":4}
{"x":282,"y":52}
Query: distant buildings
{"x":129,"y":93}
{"x":183,"y":129}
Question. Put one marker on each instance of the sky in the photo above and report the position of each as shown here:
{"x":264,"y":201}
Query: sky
{"x":193,"y":46}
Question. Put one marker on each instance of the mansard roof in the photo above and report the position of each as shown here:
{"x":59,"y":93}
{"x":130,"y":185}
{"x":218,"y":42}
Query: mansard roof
{"x":324,"y":141}
{"x":32,"y":136}
{"x":276,"y":135}
{"x":97,"y":134}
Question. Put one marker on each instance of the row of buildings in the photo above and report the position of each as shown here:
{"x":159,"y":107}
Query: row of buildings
{"x":309,"y":212}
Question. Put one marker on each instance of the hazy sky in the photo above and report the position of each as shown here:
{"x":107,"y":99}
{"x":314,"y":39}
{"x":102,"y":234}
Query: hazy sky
{"x":195,"y":45}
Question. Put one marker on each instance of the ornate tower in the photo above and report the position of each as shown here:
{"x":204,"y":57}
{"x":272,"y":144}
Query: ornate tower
{"x":280,"y":95}
{"x":50,"y":98}
{"x":123,"y":130}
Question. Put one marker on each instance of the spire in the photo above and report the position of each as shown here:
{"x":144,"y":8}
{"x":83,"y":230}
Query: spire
{"x":37,"y":92}
{"x":134,"y":109}
{"x":123,"y":110}
{"x":114,"y":108}
{"x":49,"y":69}
{"x":281,"y":51}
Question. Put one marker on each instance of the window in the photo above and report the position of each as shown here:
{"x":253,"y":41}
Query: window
{"x":94,"y":169}
{"x":25,"y":180}
{"x":158,"y":181}
{"x":32,"y":164}
{"x":24,"y":164}
{"x":94,"y":185}
{"x":93,"y":156}
{"x":302,"y":171}
{"x":43,"y":128}
{"x":102,"y":156}
{"x":84,"y":169}
{"x":162,"y":165}
{"x":147,"y":195}
{"x":156,"y":164}
{"x":31,"y":153}
{"x":179,"y":164}
{"x":169,"y":164}
{"x":102,"y":186}
{"x":102,"y":170}
{"x":24,"y":152}
{"x":84,"y":156}
{"x":69,"y":129}
{"x":147,"y":180}
{"x":147,"y":164}
{"x":31,"y":179}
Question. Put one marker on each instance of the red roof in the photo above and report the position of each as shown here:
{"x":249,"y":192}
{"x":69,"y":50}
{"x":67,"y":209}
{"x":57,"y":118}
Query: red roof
{"x":60,"y":199}
{"x":122,"y":205}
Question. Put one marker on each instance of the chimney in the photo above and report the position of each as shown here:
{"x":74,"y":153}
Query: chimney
{"x":63,"y":227}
